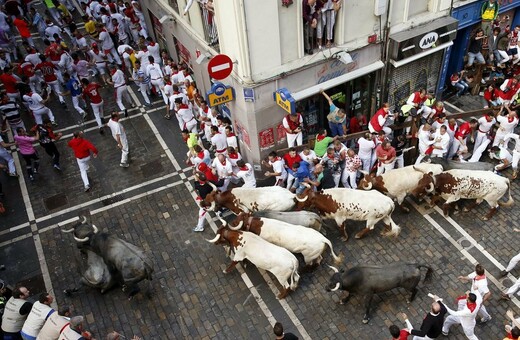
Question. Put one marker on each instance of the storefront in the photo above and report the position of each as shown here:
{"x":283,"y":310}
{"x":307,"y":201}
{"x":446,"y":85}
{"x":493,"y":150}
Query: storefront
{"x":350,"y":81}
{"x":469,"y":17}
{"x":415,"y":58}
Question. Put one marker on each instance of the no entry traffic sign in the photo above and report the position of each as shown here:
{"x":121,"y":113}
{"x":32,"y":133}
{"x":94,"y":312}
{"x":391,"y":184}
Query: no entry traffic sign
{"x":220,"y":67}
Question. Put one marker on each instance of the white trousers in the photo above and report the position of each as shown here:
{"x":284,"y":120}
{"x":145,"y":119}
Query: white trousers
{"x":422,"y":338}
{"x":191,"y":125}
{"x":75,"y":103}
{"x":513,"y":262}
{"x":513,"y":288}
{"x":43,"y":111}
{"x":98,"y":112}
{"x":399,"y":161}
{"x":124,"y":150}
{"x":6,"y":156}
{"x":477,"y":152}
{"x":385,"y":168}
{"x":483,"y":312}
{"x":143,"y":88}
{"x":454,"y":320}
{"x":113,"y":55}
{"x":289,"y":181}
{"x":83,"y":164}
{"x":348,"y":178}
{"x":367,"y":163}
{"x":55,"y":87}
{"x":516,"y":158}
{"x":122,"y":91}
{"x":326,"y":19}
{"x":499,"y":136}
{"x":504,"y":55}
{"x":158,"y":84}
{"x":481,"y":137}
{"x":294,"y":139}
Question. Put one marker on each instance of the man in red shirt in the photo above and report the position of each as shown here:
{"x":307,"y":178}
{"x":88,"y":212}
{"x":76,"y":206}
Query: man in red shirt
{"x":91,"y":90}
{"x":9,"y":82}
{"x":398,"y":334}
{"x":82,"y":150}
{"x":48,"y":71}
{"x":459,"y":141}
{"x":23,"y":28}
{"x":290,"y":158}
{"x":386,"y":155}
{"x":377,"y":122}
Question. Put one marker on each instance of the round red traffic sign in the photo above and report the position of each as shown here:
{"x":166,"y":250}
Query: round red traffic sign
{"x":220,"y":67}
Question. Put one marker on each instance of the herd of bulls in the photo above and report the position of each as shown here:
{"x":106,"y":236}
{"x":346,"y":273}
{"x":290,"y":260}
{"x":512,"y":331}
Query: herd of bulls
{"x":272,"y":223}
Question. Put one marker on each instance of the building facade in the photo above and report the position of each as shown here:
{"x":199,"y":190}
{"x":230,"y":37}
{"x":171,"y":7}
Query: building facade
{"x":374,"y":51}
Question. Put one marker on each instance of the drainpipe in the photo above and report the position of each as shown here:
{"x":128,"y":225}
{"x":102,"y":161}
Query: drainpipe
{"x":386,"y":59}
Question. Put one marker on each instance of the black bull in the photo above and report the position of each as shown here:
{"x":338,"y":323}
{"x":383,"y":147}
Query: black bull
{"x":369,"y":280}
{"x":127,"y":264}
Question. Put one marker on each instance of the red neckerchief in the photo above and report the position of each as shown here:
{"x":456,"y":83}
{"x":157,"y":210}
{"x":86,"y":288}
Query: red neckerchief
{"x":223,"y":163}
{"x":96,"y":50}
{"x":176,"y":92}
{"x":201,"y":155}
{"x":480,"y":277}
{"x":452,"y":127}
{"x":145,"y":49}
{"x":112,"y":72}
{"x":231,"y":134}
{"x":168,"y":83}
{"x":244,"y":168}
{"x":186,"y":73}
{"x":183,"y":106}
{"x":510,"y":119}
{"x":151,"y":44}
{"x":488,"y":118}
{"x":233,"y":155}
{"x":471,"y":306}
{"x":319,"y":137}
{"x":277,"y":159}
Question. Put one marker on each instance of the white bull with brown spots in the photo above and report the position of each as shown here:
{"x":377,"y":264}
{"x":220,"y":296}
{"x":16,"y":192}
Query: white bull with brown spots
{"x":342,"y":204}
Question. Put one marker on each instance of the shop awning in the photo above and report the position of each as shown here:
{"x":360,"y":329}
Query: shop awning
{"x":338,"y":80}
{"x":420,"y":55}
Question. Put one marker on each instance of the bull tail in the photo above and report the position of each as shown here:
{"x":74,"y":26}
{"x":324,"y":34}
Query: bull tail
{"x":337,"y":259}
{"x":510,"y":201}
{"x":429,"y":272}
{"x":295,"y":277}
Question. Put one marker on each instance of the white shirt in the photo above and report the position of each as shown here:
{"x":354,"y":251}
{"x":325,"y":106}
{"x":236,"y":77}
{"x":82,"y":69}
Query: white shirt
{"x":175,"y":96}
{"x":248,"y":175}
{"x":482,"y":283}
{"x":143,"y":57}
{"x":232,"y":141}
{"x":51,"y":30}
{"x":484,"y":126}
{"x":154,"y":71}
{"x":155,"y":52}
{"x":219,"y":140}
{"x":66,"y":62}
{"x":34,"y":101}
{"x":310,"y":158}
{"x":106,"y":40}
{"x":117,"y":129}
{"x":465,"y":315}
{"x":279,"y":167}
{"x":36,"y":318}
{"x":441,"y":140}
{"x":286,"y":124}
{"x":223,"y":170}
{"x":424,"y":140}
{"x":99,"y":57}
{"x":366,"y":146}
{"x":505,"y":125}
{"x":119,"y":79}
{"x":33,"y":58}
{"x":185,"y":114}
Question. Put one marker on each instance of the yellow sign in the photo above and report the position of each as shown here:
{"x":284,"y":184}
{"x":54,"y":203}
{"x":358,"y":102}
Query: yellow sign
{"x":226,"y":96}
{"x":283,"y":98}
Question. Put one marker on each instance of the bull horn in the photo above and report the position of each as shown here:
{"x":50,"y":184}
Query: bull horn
{"x":238,"y":227}
{"x":215,"y":239}
{"x":81,"y":239}
{"x":365,"y":173}
{"x":83,"y":219}
{"x":334,"y":269}
{"x":335,"y":288}
{"x":213,"y":186}
{"x":67,"y":230}
{"x":95,"y":229}
{"x":367,"y":186}
{"x":301,"y":199}
{"x":430,"y":188}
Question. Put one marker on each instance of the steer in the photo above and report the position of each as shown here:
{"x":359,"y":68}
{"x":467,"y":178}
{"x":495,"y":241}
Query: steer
{"x":295,"y":238}
{"x":250,"y":199}
{"x":304,"y":218}
{"x":277,"y":260}
{"x":452,"y":165}
{"x":400,"y":182}
{"x":454,"y":185}
{"x":343,"y":204}
{"x":369,"y":280}
{"x":126,"y":262}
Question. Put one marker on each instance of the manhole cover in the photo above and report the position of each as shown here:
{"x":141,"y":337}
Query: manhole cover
{"x":465,"y":243}
{"x":112,"y":200}
{"x":152,"y":168}
{"x":507,"y":282}
{"x":56,"y":201}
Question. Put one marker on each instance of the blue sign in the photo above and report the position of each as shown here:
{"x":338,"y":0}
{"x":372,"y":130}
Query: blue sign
{"x":284,"y":99}
{"x":220,"y":94}
{"x":249,"y":94}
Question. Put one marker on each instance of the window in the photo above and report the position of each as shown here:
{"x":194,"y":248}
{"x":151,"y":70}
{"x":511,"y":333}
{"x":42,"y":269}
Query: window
{"x":173,"y":4}
{"x":417,"y":7}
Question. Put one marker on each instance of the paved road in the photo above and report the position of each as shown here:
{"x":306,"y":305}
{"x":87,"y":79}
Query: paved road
{"x":150,"y":204}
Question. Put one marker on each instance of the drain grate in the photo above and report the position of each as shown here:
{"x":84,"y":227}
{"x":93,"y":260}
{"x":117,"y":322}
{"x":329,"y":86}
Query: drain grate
{"x":55,"y":202}
{"x":152,"y":168}
{"x":112,"y":200}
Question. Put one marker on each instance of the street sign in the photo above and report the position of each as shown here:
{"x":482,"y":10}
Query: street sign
{"x":220,"y":67}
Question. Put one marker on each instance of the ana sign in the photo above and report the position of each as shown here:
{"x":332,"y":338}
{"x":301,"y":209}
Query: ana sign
{"x":220,"y":94}
{"x":283,"y":98}
{"x":428,"y":40}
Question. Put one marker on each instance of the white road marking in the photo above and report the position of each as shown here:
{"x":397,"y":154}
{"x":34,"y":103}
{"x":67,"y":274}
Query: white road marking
{"x":463,"y":250}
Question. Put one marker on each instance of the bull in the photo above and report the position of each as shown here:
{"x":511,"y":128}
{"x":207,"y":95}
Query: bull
{"x":128,"y":265}
{"x":97,"y":274}
{"x":342,"y":204}
{"x":369,"y":280}
{"x":250,"y":199}
{"x":454,"y":185}
{"x":295,"y":238}
{"x":453,"y":165}
{"x":398,"y":183}
{"x":276,"y":260}
{"x":305,"y":218}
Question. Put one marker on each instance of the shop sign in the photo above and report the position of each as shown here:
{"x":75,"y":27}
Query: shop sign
{"x":280,"y":134}
{"x":266,"y":139}
{"x":283,"y":98}
{"x":336,"y":69}
{"x":242,"y":134}
{"x":428,"y":40}
{"x":249,"y":94}
{"x":220,"y":94}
